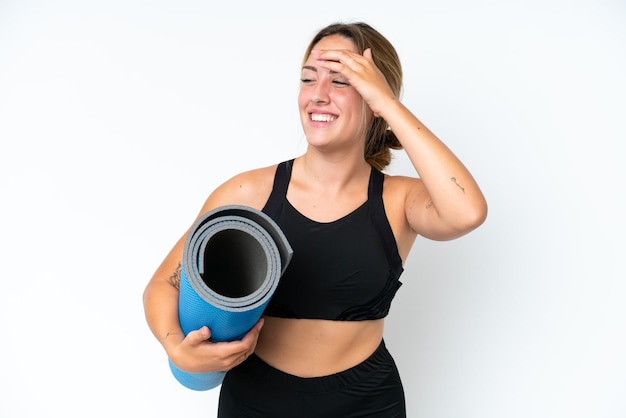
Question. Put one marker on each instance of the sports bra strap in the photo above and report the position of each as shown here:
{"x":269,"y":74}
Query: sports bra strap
{"x":279,"y":190}
{"x":377,"y":207}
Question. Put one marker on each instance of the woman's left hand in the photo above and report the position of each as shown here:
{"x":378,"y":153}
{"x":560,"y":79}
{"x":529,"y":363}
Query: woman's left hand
{"x":361,"y":73}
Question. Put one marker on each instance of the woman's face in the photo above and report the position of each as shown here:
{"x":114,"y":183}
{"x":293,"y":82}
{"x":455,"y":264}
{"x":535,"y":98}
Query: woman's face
{"x":331,"y":110}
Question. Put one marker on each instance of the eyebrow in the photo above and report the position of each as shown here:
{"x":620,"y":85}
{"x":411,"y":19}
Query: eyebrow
{"x":310,"y":67}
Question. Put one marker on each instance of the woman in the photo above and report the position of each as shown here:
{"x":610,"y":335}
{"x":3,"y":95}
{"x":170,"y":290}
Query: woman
{"x":318,"y":350}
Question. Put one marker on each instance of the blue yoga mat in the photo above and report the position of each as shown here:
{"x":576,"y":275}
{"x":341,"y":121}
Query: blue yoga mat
{"x":233,"y":259}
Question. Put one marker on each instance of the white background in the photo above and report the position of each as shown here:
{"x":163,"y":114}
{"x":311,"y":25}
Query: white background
{"x":117,"y":119}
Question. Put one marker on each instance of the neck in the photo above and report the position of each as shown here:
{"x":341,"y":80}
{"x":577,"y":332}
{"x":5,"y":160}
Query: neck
{"x":333,"y":173}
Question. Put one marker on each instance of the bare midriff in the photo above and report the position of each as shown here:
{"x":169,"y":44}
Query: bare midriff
{"x":316,"y":347}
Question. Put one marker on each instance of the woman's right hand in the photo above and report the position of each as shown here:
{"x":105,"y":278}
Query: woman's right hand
{"x":196,"y":354}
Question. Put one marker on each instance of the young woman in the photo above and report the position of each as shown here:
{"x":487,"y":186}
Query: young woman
{"x":318,"y":351}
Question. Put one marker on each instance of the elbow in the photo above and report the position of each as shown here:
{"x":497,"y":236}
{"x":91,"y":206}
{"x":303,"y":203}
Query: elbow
{"x":469,"y":219}
{"x":479,"y":214}
{"x":474,"y":216}
{"x":454,"y":223}
{"x":145,"y":296}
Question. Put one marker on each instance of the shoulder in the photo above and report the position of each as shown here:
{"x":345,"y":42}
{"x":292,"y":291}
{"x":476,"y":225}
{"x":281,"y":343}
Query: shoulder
{"x":250,"y":188}
{"x":401,"y":194}
{"x":401,"y":188}
{"x":252,"y":182}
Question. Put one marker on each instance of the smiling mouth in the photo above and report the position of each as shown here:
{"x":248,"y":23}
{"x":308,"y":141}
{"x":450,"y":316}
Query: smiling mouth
{"x":322,"y":117}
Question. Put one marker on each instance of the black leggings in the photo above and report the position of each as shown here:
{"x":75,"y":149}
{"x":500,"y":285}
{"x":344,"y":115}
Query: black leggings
{"x":369,"y":389}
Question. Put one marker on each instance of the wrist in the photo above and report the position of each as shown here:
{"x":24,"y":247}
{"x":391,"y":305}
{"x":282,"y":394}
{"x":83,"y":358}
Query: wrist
{"x":171,"y":340}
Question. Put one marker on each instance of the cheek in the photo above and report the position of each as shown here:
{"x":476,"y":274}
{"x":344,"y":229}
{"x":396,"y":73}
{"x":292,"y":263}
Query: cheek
{"x":302,"y":99}
{"x":303,"y":102}
{"x":348,"y":98}
{"x":351,"y":104}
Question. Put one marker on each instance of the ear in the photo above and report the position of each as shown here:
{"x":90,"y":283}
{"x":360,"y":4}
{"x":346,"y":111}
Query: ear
{"x":368,"y":53}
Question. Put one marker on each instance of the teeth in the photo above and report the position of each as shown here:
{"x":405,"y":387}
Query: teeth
{"x":316,"y":117}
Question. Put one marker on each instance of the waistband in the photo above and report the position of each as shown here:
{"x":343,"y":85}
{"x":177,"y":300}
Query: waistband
{"x":379,"y":361}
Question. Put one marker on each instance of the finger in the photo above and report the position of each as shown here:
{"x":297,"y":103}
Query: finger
{"x":199,"y":336}
{"x":234,"y":349}
{"x":237,"y":358}
{"x":249,"y":342}
{"x":256,"y":329}
{"x":328,"y":57}
{"x":250,"y":339}
{"x":332,"y":55}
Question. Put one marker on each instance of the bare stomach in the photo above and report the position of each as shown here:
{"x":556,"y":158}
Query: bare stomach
{"x":315,"y":347}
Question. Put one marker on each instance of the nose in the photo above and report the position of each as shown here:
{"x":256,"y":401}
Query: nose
{"x":320,"y":93}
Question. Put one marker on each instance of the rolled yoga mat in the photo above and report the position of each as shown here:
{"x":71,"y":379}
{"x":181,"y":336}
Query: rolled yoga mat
{"x":233,"y":259}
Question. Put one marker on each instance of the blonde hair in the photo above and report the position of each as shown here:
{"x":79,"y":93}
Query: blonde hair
{"x":379,"y":140}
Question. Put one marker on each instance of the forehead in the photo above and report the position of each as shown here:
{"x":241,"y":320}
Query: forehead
{"x":335,"y":42}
